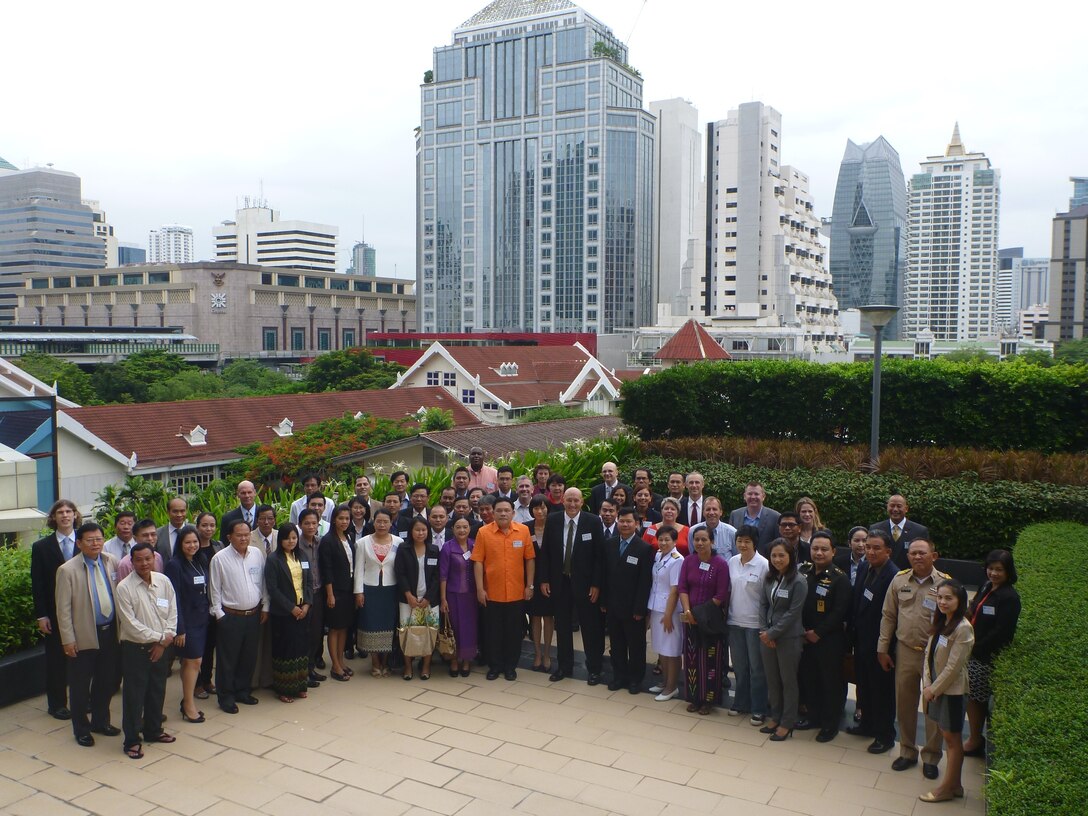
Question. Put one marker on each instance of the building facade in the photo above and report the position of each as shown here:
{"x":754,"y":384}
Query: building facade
{"x":954,"y":205}
{"x":364,"y":259}
{"x":130,"y":254}
{"x":1080,"y":192}
{"x":170,"y":243}
{"x":44,"y":225}
{"x":1068,"y":275}
{"x":258,"y":235}
{"x":534,"y":177}
{"x":1022,"y":284}
{"x":765,"y":258}
{"x":868,"y":251}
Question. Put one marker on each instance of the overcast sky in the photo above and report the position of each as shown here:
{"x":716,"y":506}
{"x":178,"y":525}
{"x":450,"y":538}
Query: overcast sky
{"x":174,"y":112}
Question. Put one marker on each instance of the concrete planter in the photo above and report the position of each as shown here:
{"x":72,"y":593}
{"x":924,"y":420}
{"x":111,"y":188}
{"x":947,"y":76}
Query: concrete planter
{"x":22,"y":675}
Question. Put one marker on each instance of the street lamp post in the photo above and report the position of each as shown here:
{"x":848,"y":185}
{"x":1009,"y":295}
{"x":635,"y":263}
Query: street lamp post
{"x":878,"y":316}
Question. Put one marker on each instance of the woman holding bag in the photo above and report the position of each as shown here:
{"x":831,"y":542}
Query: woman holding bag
{"x":416,"y":570}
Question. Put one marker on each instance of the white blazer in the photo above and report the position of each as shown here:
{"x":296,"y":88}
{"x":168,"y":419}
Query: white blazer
{"x":372,"y":567}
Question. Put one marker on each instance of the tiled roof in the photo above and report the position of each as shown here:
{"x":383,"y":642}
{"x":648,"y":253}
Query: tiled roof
{"x":501,"y":10}
{"x":535,"y":363}
{"x":692,"y":342}
{"x":152,"y":429}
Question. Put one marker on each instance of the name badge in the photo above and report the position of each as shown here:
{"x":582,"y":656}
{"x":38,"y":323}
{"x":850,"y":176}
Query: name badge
{"x":162,"y":603}
{"x":783,"y":593}
{"x":113,"y":577}
{"x":942,"y":641}
{"x":305,"y":564}
{"x":432,"y":562}
{"x":868,"y":594}
{"x":518,"y":544}
{"x":491,"y":486}
{"x":199,"y":580}
{"x":704,"y":566}
{"x":929,"y":604}
{"x":466,"y":555}
{"x":587,"y":536}
{"x":753,"y":577}
{"x":821,"y":606}
{"x":632,"y":560}
{"x":254,"y":572}
{"x":989,"y":610}
{"x":646,"y":524}
{"x":821,"y":590}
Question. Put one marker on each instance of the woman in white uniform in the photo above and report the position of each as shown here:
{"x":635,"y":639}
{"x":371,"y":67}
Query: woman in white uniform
{"x":667,"y":635}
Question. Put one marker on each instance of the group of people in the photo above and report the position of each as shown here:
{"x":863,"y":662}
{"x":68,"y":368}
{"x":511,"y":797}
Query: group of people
{"x":496,"y":557}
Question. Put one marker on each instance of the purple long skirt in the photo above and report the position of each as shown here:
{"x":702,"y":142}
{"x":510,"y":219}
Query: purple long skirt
{"x":464,"y":610}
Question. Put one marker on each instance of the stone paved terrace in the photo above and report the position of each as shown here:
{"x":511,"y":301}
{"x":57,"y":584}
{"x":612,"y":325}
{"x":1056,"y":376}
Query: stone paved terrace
{"x":465,"y":746}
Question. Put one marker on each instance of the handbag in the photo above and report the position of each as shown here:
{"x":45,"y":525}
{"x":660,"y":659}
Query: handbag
{"x":418,"y":633}
{"x":447,"y":641}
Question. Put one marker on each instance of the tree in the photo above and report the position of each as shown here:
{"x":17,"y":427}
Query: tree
{"x":436,"y":419}
{"x":131,"y":379}
{"x":1072,"y":351}
{"x":969,"y":354}
{"x":1034,"y":357}
{"x":243,"y":378}
{"x":72,"y":383}
{"x":353,"y":369}
{"x":548,"y":412}
{"x":188,"y":385}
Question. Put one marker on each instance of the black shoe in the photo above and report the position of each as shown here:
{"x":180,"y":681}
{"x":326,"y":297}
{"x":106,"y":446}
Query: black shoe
{"x":976,"y":752}
{"x":312,"y":684}
{"x":492,"y":675}
{"x":776,"y":737}
{"x":320,"y":663}
{"x":60,"y":714}
{"x":594,"y":679}
{"x":879,"y":747}
{"x":318,"y":677}
{"x":87,"y":741}
{"x":768,"y":729}
{"x":511,"y":675}
{"x":902,"y":763}
{"x":107,"y":730}
{"x":249,"y":699}
{"x":827,"y":734}
{"x":857,"y":716}
{"x":615,"y":685}
{"x":634,"y":688}
{"x":230,"y":708}
{"x":858,"y":731}
{"x":349,"y":654}
{"x":363,"y":654}
{"x":803,"y":725}
{"x":929,"y":770}
{"x":557,"y":675}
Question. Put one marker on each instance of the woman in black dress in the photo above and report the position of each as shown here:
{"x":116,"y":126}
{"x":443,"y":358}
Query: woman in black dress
{"x":290,"y":596}
{"x":336,"y":560}
{"x":541,"y":607}
{"x":416,"y":569}
{"x":188,"y":573}
{"x":206,"y":527}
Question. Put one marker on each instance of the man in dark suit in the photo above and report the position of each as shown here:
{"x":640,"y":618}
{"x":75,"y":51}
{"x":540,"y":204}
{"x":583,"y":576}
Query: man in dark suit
{"x":642,"y":478}
{"x":628,"y":575}
{"x":607,"y":512}
{"x":876,"y":687}
{"x":901,"y":530}
{"x":610,"y":480}
{"x":245,"y":511}
{"x":571,"y":572}
{"x":691,"y":506}
{"x":758,"y":515}
{"x":46,"y":557}
{"x":789,"y":528}
{"x":417,"y":508}
{"x":505,"y":484}
{"x":177,"y":508}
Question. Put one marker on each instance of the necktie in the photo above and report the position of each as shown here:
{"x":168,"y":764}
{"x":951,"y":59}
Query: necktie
{"x":67,"y":550}
{"x":569,"y":551}
{"x":248,"y":517}
{"x":623,"y":547}
{"x":102,"y":590}
{"x":694,"y":513}
{"x":125,"y":547}
{"x":267,"y":547}
{"x":896,"y":532}
{"x":608,"y":491}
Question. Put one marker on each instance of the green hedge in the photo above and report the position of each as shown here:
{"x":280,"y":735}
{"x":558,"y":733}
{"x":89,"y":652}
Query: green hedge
{"x":18,"y":628}
{"x":1040,"y":709}
{"x":967,"y":518}
{"x":1011,"y":405}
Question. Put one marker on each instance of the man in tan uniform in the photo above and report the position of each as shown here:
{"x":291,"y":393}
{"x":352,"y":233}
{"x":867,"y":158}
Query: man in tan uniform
{"x":907,"y":618}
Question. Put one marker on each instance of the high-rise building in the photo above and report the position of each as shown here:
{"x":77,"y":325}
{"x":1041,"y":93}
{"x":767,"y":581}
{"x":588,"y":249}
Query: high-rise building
{"x":534,"y":177}
{"x":1068,"y":274}
{"x":679,"y":208}
{"x":257,"y":235}
{"x":44,"y":225}
{"x":170,"y":243}
{"x":765,"y":259}
{"x":1080,"y":192}
{"x":364,"y":259}
{"x":130,"y":254}
{"x":104,"y":230}
{"x":1021,"y":284}
{"x":869,"y":229}
{"x":954,"y":205}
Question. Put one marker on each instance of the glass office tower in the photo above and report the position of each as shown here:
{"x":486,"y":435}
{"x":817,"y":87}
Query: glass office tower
{"x":869,"y":229}
{"x":534,"y":177}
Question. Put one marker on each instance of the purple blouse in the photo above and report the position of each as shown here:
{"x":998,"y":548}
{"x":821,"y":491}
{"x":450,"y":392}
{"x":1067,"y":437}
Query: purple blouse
{"x":700,"y":585}
{"x":455,"y":569}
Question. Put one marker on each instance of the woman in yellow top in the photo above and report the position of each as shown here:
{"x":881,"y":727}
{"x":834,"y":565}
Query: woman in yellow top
{"x":944,"y":681}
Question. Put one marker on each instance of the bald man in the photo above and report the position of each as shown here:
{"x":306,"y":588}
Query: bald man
{"x":245,"y":511}
{"x":610,"y":480}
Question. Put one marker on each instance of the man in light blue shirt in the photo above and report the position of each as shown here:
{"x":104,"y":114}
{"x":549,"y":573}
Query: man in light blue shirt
{"x":722,"y":536}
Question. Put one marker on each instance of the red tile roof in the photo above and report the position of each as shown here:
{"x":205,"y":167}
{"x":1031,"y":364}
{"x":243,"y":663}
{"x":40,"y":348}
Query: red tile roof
{"x":151,"y":429}
{"x":692,"y":342}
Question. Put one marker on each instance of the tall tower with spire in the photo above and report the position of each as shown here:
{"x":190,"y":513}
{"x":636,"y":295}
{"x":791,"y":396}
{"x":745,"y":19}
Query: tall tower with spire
{"x":954,"y":208}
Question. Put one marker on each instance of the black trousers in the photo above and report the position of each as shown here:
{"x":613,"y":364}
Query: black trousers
{"x":317,"y":628}
{"x":591,"y":625}
{"x":505,"y":624}
{"x":144,"y":692}
{"x":208,"y":662}
{"x":56,"y":670}
{"x":92,"y":679}
{"x":876,"y":695}
{"x":822,"y":688}
{"x":236,"y":655}
{"x":627,"y":641}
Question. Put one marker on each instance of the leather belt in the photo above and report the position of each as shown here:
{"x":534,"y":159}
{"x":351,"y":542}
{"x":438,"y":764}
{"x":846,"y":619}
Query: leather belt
{"x":242,"y":613}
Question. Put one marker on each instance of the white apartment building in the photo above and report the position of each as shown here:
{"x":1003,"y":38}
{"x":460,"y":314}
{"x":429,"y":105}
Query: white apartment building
{"x":953,"y":208}
{"x":766,"y":259}
{"x":170,"y":243}
{"x":258,"y":235}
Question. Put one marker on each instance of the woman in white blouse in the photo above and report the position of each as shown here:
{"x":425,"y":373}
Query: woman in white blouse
{"x":747,"y":570}
{"x":376,"y":592}
{"x":667,"y":635}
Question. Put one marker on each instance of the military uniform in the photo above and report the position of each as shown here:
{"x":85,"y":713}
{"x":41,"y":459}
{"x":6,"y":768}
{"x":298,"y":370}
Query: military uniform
{"x":826,"y":607}
{"x":907,"y":619}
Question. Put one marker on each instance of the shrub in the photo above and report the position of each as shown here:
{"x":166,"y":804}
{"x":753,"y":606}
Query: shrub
{"x":1040,"y":711}
{"x":18,"y":628}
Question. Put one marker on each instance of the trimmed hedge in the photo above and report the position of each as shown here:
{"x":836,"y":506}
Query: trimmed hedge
{"x":967,"y":518}
{"x":18,"y":628}
{"x":1003,"y":406}
{"x":1040,"y":711}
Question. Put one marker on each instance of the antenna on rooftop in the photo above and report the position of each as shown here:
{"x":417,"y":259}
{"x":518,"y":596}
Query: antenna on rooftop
{"x":637,"y":18}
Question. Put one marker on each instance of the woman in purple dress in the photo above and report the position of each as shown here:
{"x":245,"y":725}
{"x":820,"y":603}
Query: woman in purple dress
{"x":457,"y":586}
{"x":704,"y":578}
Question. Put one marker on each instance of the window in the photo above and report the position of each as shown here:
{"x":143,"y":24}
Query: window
{"x":337,"y":284}
{"x":270,"y":338}
{"x":490,"y":406}
{"x":287,"y":280}
{"x":85,"y":281}
{"x":158,"y":277}
{"x":449,"y":379}
{"x":324,"y":339}
{"x":39,"y":283}
{"x":62,"y":283}
{"x":468,"y":396}
{"x":107,"y":280}
{"x":298,"y":339}
{"x":266,"y":278}
{"x":349,"y":338}
{"x":432,"y":378}
{"x":315,"y":283}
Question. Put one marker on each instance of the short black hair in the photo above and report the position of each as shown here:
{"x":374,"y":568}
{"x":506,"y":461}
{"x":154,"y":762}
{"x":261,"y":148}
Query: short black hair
{"x":626,"y":510}
{"x":420,"y":486}
{"x":233,"y":525}
{"x":87,"y":527}
{"x":397,"y":473}
{"x":143,"y":524}
{"x":138,"y":547}
{"x":124,"y":514}
{"x":500,"y":500}
{"x":264,"y":508}
{"x":506,"y":469}
{"x":306,"y":513}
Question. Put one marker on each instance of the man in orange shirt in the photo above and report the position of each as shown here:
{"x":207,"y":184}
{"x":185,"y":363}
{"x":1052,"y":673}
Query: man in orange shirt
{"x":504,"y":568}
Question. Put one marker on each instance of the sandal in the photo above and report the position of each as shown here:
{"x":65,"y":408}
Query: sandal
{"x":164,"y":738}
{"x":704,"y":710}
{"x":201,"y":694}
{"x":134,"y":751}
{"x":348,"y":672}
{"x":386,"y":673}
{"x":375,"y":672}
{"x":343,"y":678}
{"x":692,"y":708}
{"x":302,"y":695}
{"x":283,"y":698}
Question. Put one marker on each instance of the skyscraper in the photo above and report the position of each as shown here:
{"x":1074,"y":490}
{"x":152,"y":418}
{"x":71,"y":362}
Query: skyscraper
{"x":257,"y":235}
{"x":364,"y":259}
{"x":534,"y":177}
{"x":1068,"y":274}
{"x":765,"y":259}
{"x":130,"y":254}
{"x":170,"y":243}
{"x":44,"y":225}
{"x":1080,"y":192}
{"x":953,"y":211}
{"x":869,"y":229}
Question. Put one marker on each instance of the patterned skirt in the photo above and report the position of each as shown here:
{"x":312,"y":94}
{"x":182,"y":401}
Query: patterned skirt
{"x":978,"y":680}
{"x":703,"y":666}
{"x":378,"y":620}
{"x":290,"y":661}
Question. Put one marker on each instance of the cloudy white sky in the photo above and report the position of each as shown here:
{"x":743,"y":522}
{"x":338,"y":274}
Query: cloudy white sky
{"x":174,"y":112}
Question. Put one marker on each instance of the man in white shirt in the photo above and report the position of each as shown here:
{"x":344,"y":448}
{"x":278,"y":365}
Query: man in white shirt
{"x":147,"y":614}
{"x":691,"y":506}
{"x":245,"y":511}
{"x":239,"y":603}
{"x":521,"y":506}
{"x":722,"y":535}
{"x":122,"y":541}
{"x":310,"y":485}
